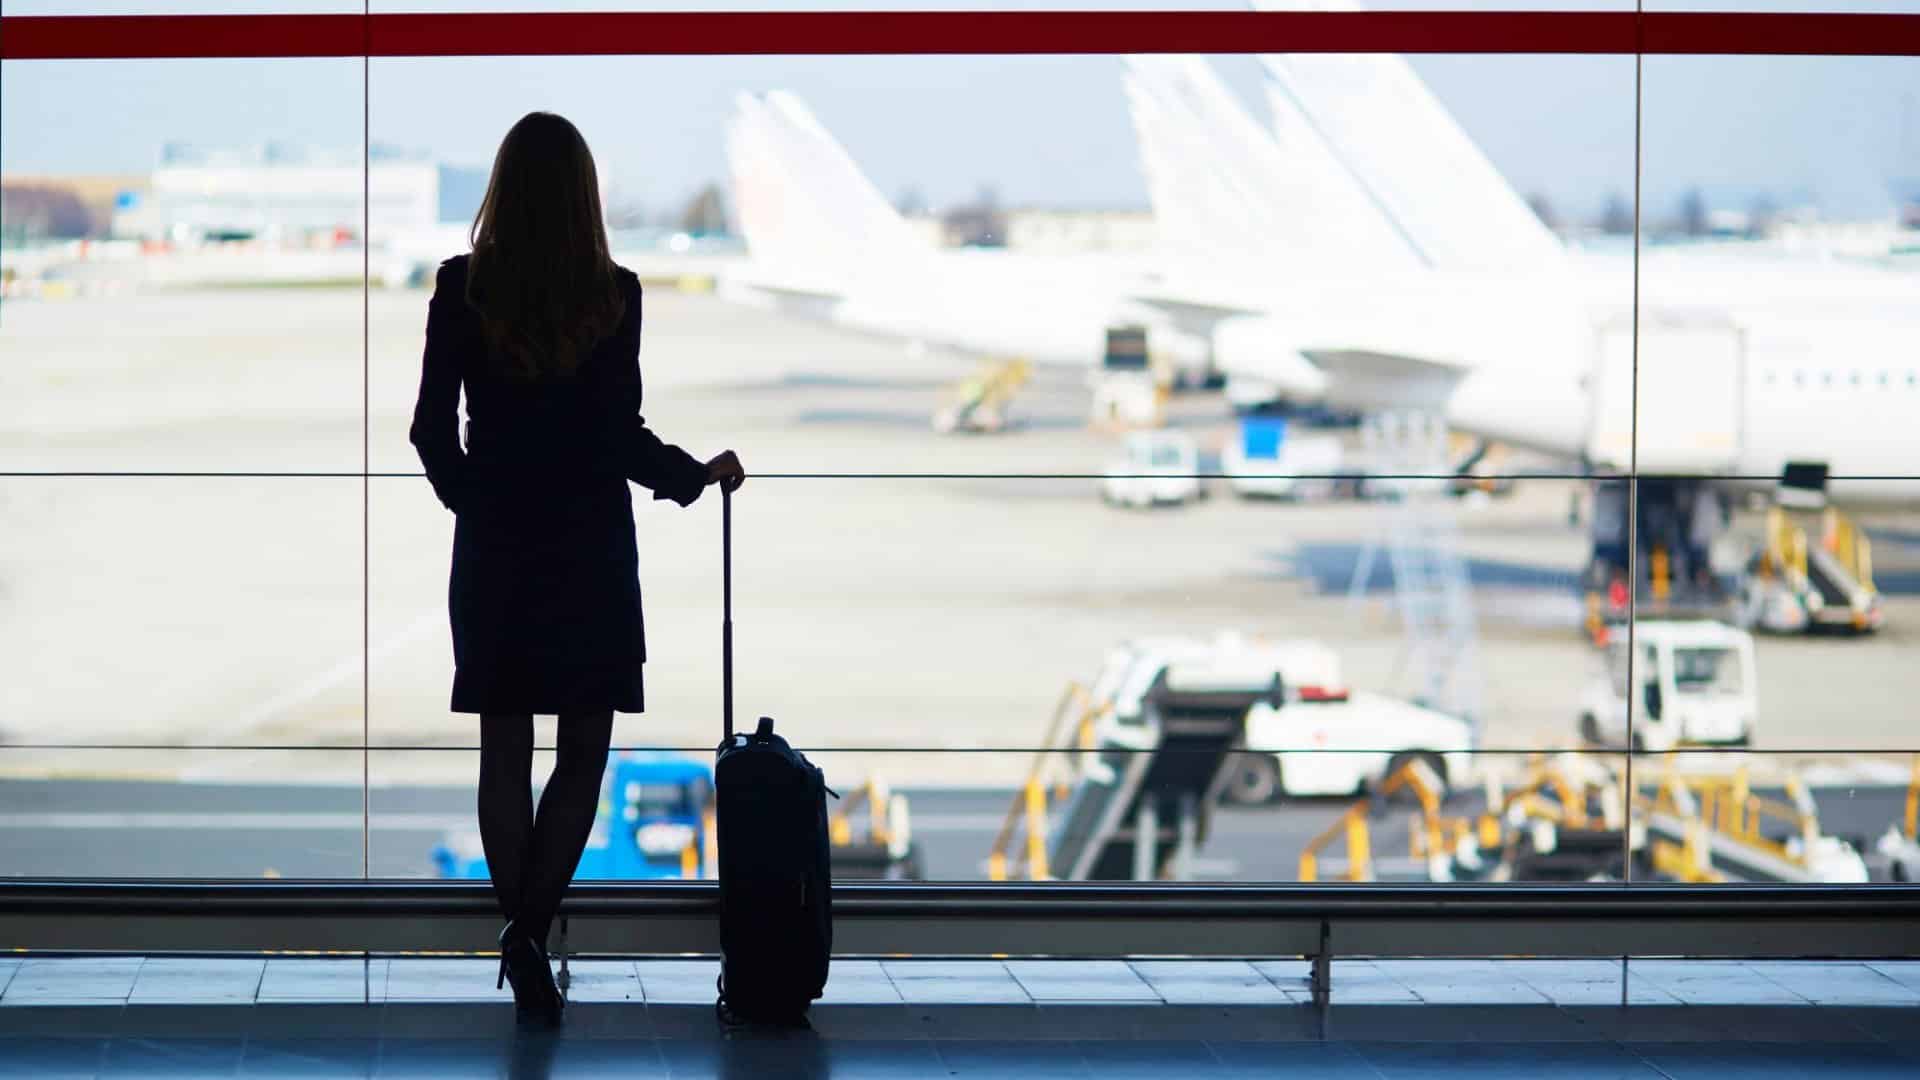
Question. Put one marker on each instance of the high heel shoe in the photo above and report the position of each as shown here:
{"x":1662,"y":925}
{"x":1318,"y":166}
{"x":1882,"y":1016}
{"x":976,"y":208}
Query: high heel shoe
{"x":523,"y":963}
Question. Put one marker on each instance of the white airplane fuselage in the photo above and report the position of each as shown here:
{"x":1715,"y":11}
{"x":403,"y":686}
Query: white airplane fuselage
{"x":1044,"y":308}
{"x":1824,"y":371}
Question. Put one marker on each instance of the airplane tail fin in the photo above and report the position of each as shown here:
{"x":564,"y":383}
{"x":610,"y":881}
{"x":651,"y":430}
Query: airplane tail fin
{"x":805,"y":208}
{"x":1218,"y":180}
{"x":1403,"y":147}
{"x":1198,"y":209}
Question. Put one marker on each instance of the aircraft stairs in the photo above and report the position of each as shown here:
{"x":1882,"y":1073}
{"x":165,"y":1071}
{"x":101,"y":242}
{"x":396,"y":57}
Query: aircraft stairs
{"x":1432,"y":590}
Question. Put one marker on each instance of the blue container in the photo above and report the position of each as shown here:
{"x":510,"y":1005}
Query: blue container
{"x":1261,"y":436}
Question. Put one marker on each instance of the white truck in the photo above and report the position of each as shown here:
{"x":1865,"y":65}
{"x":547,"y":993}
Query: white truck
{"x":1158,"y":468}
{"x":1269,"y":458}
{"x":1309,"y":738}
{"x":1229,"y":660}
{"x":1691,"y":683}
{"x":1326,"y":740}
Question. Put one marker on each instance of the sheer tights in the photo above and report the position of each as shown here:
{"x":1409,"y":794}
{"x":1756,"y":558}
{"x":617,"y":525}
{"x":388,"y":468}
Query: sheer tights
{"x":532,"y":855}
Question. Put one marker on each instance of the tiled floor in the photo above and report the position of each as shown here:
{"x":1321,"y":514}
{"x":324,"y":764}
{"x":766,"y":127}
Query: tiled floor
{"x":309,"y":1017}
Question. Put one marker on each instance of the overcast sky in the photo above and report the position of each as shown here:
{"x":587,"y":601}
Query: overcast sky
{"x":1041,"y":130}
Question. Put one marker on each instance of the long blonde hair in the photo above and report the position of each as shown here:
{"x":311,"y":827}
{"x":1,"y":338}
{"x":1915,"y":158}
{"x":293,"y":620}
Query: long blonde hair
{"x":540,"y":275}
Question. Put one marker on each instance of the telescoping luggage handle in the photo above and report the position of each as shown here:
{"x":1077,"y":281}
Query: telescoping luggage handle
{"x":726,"y":611}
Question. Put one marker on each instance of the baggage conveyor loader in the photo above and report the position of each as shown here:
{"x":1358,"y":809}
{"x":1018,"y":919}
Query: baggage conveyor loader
{"x":1713,"y":827}
{"x":1794,"y":584}
{"x":1564,"y":822}
{"x":1568,"y":822}
{"x":1127,"y":783}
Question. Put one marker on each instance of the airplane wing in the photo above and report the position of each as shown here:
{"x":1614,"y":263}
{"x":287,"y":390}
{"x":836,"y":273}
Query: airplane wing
{"x":1366,"y":379}
{"x":1201,"y":302}
{"x":788,"y":292}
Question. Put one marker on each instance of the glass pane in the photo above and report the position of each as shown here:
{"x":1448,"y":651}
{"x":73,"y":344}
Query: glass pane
{"x":182,"y":265}
{"x":966,"y":606}
{"x":182,"y":813}
{"x":909,"y":613}
{"x":1774,"y":290}
{"x":1740,"y":816}
{"x":1800,"y":649}
{"x":1776,"y":382}
{"x":205,"y":611}
{"x":876,"y":286}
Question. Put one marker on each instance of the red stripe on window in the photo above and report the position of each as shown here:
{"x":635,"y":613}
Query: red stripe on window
{"x":25,"y":37}
{"x":1001,"y":32}
{"x":87,"y":37}
{"x":1707,"y":33}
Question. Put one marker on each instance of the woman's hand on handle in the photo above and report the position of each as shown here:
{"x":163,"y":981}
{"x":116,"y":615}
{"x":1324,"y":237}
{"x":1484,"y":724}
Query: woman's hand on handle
{"x":726,"y":471}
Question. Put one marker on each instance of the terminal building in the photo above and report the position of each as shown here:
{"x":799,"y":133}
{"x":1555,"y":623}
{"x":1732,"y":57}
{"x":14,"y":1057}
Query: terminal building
{"x":291,"y":196}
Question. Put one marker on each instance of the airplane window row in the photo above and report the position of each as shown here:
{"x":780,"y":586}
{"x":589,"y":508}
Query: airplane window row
{"x":1855,"y":378}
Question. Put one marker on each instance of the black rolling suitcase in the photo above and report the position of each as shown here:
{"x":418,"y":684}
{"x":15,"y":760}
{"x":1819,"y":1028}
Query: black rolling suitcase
{"x":776,"y":912}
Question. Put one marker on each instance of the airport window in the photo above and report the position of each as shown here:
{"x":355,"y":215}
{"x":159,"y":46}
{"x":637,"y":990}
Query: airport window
{"x":1053,"y":505}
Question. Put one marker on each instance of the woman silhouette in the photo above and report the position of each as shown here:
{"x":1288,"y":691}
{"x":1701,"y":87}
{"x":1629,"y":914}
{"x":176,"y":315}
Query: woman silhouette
{"x":543,"y":331}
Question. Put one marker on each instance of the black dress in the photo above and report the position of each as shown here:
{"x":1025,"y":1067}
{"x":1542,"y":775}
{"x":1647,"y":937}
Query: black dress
{"x":544,"y":593}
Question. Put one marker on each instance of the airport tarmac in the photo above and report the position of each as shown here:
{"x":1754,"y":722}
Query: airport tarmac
{"x":896,"y":590}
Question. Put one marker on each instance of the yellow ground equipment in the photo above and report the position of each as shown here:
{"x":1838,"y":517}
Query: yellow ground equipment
{"x":1568,"y":821}
{"x":885,"y":849}
{"x":1564,"y":822}
{"x":1478,"y":465}
{"x":1431,"y":832}
{"x":1020,"y":847}
{"x":1901,"y":844}
{"x":1912,"y":817}
{"x":1798,"y":583}
{"x":979,"y":402}
{"x":1707,"y":828}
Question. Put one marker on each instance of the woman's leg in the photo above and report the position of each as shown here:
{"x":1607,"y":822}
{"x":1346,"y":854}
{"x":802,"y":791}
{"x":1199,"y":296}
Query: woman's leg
{"x":565,"y":819}
{"x":506,"y":803}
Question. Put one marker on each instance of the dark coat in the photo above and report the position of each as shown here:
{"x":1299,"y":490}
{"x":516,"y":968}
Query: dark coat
{"x":544,"y":593}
